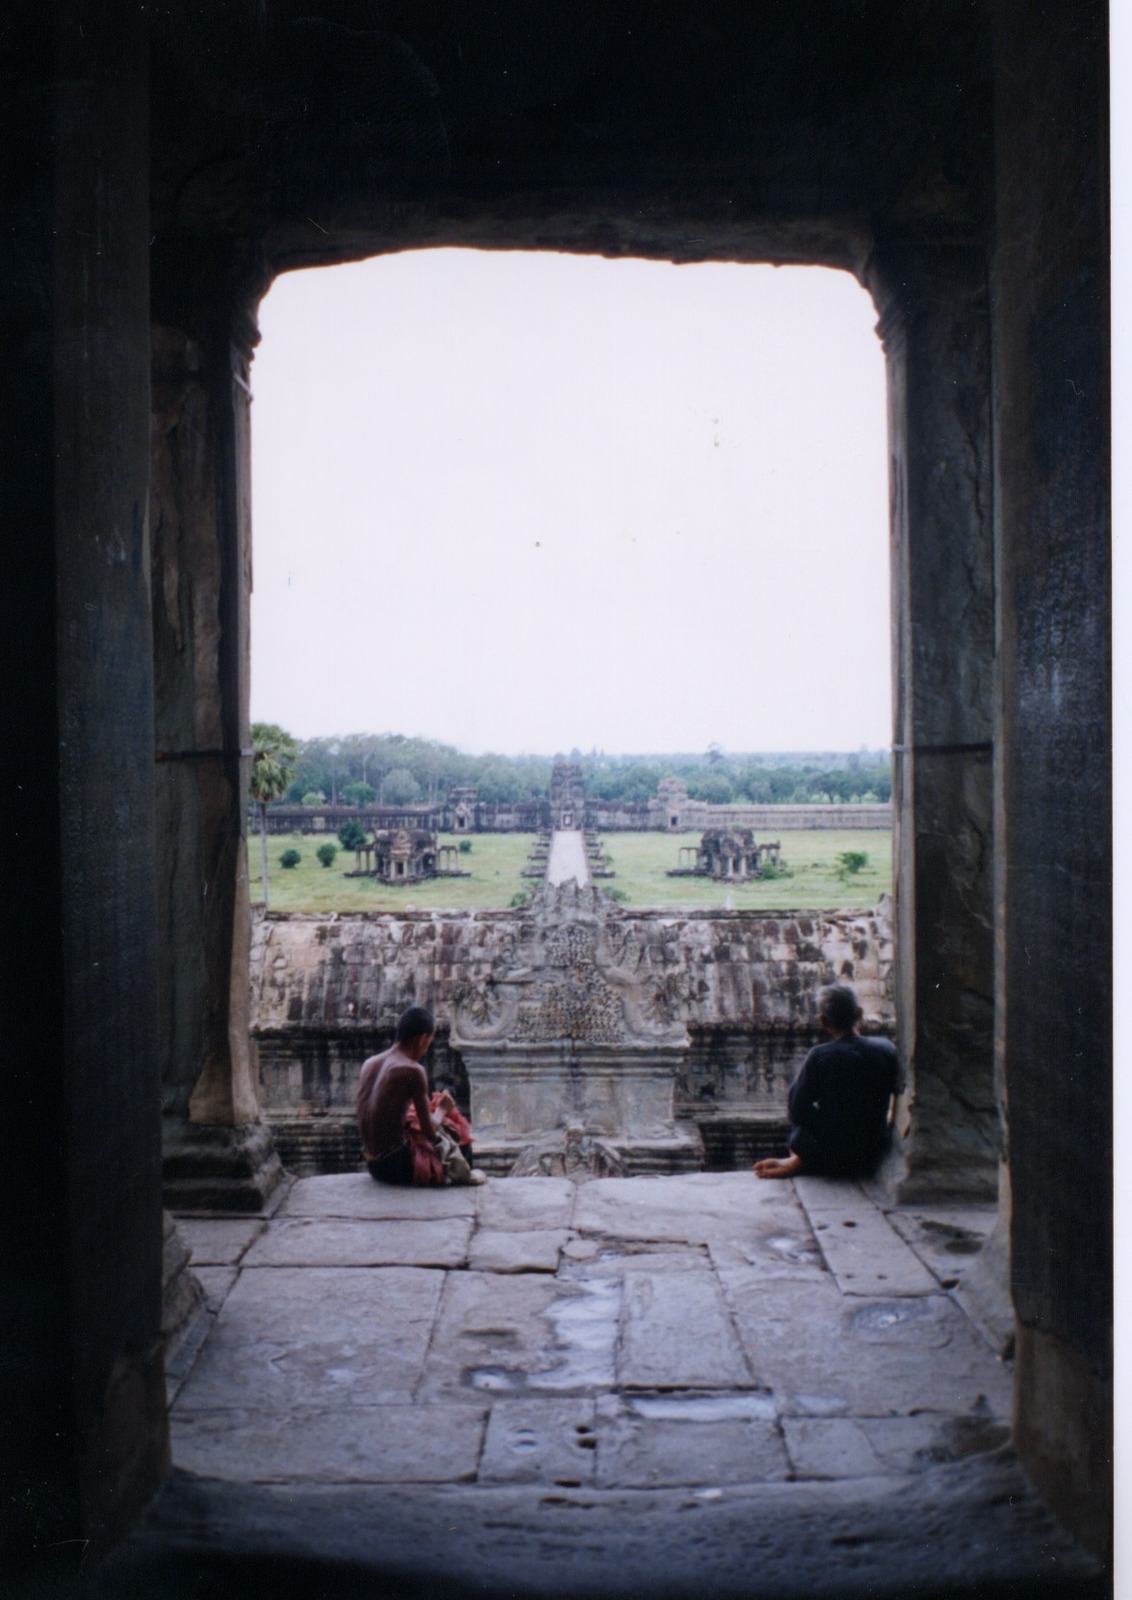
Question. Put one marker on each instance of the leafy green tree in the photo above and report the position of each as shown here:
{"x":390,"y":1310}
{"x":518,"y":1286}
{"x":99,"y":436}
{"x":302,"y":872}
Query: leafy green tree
{"x":326,"y":853}
{"x":359,"y":794}
{"x":351,"y":835}
{"x":715,"y":788}
{"x":313,"y":797}
{"x":401,"y":788}
{"x":851,"y":861}
{"x":274,"y":752}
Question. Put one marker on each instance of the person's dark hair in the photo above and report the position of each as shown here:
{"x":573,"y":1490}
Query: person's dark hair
{"x":839,"y":1005}
{"x":414,"y":1023}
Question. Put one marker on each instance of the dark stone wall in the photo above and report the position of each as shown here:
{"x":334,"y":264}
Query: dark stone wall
{"x":1054,"y":775}
{"x":84,"y":1439}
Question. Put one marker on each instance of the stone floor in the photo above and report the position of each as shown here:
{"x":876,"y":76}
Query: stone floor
{"x":684,"y":1385}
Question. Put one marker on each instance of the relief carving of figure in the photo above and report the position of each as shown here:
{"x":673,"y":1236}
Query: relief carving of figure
{"x":571,"y":973}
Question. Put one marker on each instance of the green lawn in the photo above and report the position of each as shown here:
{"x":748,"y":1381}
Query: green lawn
{"x":640,"y":861}
{"x":495,"y":862}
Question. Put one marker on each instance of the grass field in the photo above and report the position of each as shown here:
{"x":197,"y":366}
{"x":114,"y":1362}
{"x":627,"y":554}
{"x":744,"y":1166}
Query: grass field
{"x":640,"y":861}
{"x":495,"y":862}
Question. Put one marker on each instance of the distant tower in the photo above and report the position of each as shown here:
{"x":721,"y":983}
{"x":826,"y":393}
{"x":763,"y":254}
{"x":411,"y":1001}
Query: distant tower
{"x":567,"y":796}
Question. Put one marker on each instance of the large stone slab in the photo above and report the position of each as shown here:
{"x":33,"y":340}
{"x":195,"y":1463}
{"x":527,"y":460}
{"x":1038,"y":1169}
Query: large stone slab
{"x":216,"y":1283}
{"x":355,"y":1194}
{"x":865,"y":1255}
{"x":647,"y":1452}
{"x":830,"y":1447}
{"x":359,"y":1444}
{"x":915,"y":1444}
{"x":492,"y":1334}
{"x":377,"y":1242}
{"x":540,"y":1441}
{"x":299,"y":1336}
{"x":693,"y":1209}
{"x":524,"y":1203}
{"x":947,"y":1239}
{"x":219,"y":1241}
{"x":845,"y":1447}
{"x":676,"y":1332}
{"x":514,"y":1251}
{"x":825,"y":1354}
{"x":784,"y":1248}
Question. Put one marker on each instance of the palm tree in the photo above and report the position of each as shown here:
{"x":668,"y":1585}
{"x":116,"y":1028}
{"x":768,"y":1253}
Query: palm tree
{"x":274,"y":752}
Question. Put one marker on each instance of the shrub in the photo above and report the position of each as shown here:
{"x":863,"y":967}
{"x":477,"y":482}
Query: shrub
{"x":618,"y":895}
{"x":850,"y":861}
{"x":465,"y":847}
{"x":775,"y":869}
{"x":351,"y":835}
{"x":326,"y":853}
{"x":520,"y":899}
{"x":290,"y":858}
{"x":313,"y":797}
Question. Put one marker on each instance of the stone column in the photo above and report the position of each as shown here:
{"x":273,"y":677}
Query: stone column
{"x":936,"y":334}
{"x":218,"y":1154}
{"x":1054,"y":902}
{"x":84,"y":1439}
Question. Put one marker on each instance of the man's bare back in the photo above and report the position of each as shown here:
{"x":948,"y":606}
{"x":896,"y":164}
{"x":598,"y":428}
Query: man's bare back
{"x":389,"y":1084}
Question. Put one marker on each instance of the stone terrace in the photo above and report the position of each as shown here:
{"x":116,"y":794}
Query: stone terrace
{"x":675,"y":1385}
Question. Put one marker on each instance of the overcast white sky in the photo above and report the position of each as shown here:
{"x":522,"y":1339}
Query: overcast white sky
{"x":532,"y":502}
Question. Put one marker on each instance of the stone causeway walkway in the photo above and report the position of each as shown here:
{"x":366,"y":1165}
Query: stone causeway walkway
{"x":667,"y":1384}
{"x":567,"y":859}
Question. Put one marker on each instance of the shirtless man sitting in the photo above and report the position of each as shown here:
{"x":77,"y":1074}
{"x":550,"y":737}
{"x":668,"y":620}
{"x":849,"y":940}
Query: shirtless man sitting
{"x":840,"y":1102}
{"x":392,"y":1085}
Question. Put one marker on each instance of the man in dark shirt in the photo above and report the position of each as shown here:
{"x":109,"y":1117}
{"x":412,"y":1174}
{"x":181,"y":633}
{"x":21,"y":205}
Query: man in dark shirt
{"x":840,"y":1102}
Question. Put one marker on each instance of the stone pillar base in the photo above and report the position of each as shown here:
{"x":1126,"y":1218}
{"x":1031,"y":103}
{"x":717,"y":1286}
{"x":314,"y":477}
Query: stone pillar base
{"x":181,"y":1292}
{"x":214,"y":1168}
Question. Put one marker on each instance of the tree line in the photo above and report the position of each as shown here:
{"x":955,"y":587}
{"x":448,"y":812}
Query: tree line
{"x":392,"y":769}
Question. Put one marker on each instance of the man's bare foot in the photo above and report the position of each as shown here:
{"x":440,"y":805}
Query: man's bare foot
{"x":778,"y":1167}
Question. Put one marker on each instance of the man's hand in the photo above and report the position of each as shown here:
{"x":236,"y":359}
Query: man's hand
{"x":445,"y":1102}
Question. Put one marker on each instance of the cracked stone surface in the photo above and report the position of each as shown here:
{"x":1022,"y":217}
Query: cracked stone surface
{"x":515,"y":1250}
{"x":554,"y":1361}
{"x":858,"y":1245}
{"x":218,"y":1241}
{"x":310,"y":1242}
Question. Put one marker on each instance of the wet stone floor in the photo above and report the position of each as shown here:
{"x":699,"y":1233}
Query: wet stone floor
{"x":699,"y":1332}
{"x":667,"y":1386}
